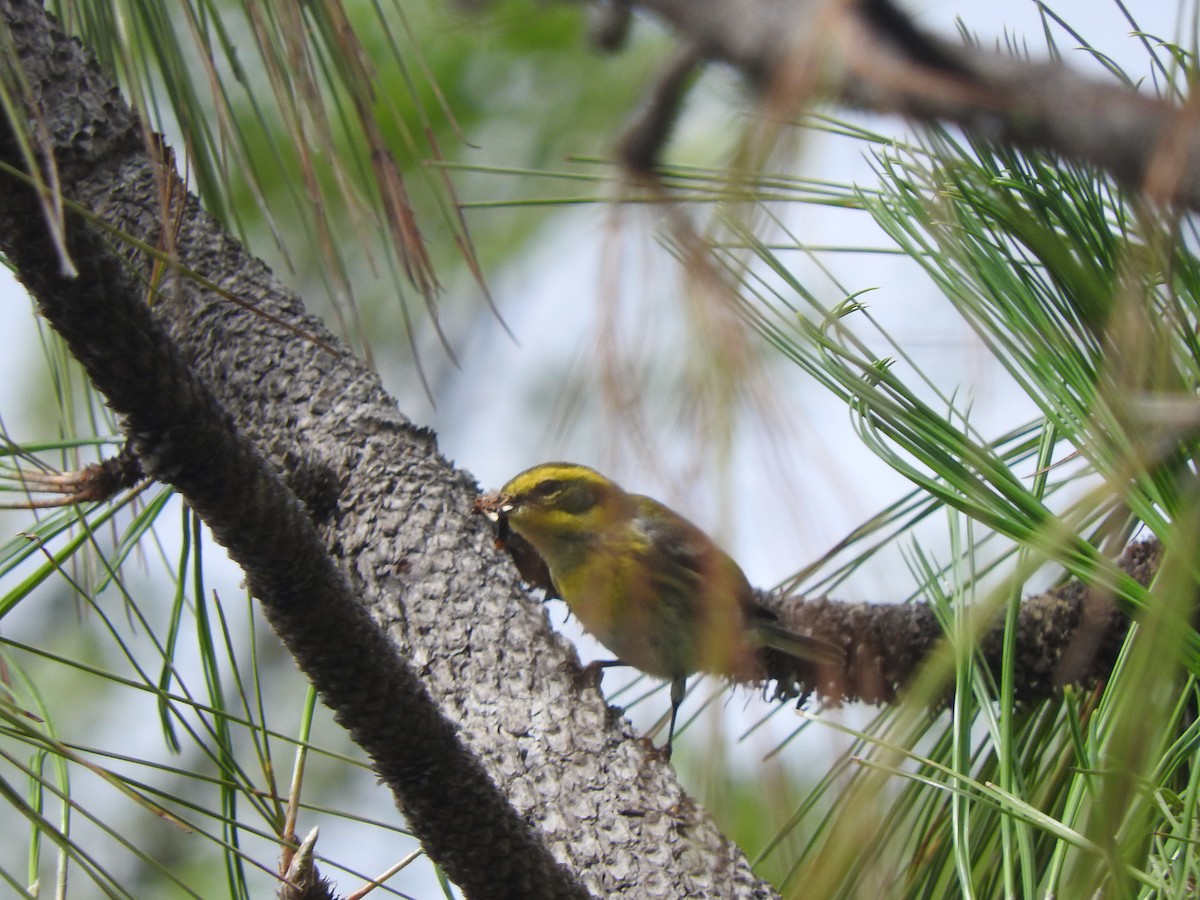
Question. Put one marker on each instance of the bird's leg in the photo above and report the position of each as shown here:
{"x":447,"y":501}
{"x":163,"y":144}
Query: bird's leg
{"x":678,"y":689}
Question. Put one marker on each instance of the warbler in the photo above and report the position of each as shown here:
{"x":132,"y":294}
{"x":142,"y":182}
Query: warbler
{"x":652,"y":587}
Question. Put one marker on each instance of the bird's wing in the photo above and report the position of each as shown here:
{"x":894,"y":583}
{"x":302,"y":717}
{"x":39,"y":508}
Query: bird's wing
{"x":677,"y":541}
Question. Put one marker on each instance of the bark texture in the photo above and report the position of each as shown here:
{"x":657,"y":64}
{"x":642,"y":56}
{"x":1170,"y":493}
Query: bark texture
{"x":1067,"y":636}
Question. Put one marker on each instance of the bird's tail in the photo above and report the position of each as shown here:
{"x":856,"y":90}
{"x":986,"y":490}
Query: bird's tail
{"x":801,"y":646}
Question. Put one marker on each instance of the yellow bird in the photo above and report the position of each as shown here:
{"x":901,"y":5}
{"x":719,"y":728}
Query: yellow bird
{"x":651,"y":586}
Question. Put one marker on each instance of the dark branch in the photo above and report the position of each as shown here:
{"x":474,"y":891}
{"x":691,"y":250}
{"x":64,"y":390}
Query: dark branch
{"x":183,"y":436}
{"x":869,"y":55}
{"x":1067,"y":636}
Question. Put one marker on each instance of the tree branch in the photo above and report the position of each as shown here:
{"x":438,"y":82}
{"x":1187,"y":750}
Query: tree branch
{"x":1070,"y":635}
{"x":869,"y":55}
{"x":391,"y":598}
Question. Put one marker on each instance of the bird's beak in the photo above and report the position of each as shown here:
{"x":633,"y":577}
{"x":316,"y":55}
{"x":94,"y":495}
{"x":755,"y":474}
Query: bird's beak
{"x":494,"y":506}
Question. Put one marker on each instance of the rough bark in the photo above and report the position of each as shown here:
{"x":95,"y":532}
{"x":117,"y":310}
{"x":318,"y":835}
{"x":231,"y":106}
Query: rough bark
{"x":519,"y":780}
{"x":1067,"y":636}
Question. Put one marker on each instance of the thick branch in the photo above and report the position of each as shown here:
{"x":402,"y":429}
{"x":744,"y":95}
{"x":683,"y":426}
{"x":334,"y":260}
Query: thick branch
{"x":402,"y":600}
{"x":1067,"y":636}
{"x":183,"y":437}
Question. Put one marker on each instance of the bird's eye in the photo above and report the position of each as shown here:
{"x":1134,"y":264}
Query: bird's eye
{"x":544,"y":490}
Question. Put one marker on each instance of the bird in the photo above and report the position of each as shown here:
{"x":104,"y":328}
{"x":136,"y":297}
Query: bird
{"x":652,"y":587}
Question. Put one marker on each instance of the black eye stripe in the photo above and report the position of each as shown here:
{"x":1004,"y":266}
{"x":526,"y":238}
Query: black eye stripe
{"x":546,"y":489}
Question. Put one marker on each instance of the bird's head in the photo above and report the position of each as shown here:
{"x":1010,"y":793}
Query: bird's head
{"x":558,"y":503}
